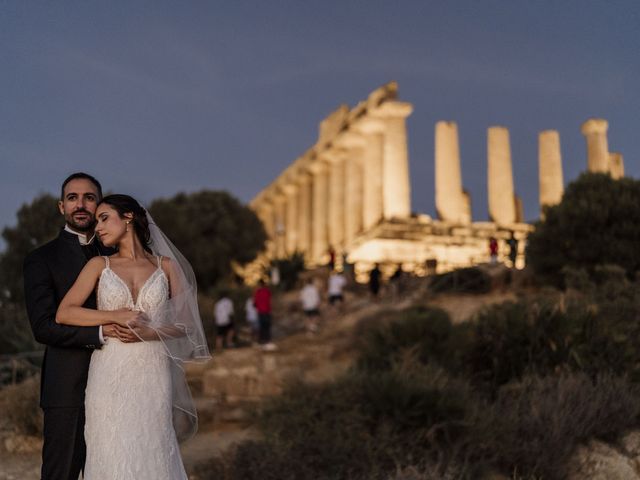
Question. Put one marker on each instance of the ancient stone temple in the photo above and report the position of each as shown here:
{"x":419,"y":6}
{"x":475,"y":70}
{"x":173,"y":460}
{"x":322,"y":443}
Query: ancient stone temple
{"x":350,"y":192}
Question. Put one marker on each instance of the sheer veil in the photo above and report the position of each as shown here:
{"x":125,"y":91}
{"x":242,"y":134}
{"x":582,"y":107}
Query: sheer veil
{"x":177,"y":324}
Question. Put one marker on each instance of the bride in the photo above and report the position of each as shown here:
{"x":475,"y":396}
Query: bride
{"x":137,"y":401}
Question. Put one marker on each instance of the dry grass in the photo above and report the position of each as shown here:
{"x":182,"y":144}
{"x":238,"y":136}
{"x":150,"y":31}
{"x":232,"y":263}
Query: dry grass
{"x":20,"y":408}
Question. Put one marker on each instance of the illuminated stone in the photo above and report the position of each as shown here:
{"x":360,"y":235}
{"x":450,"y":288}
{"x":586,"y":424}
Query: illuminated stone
{"x":291,"y":218}
{"x":595,"y":132}
{"x":319,"y":192}
{"x":396,"y":186}
{"x":372,"y":167}
{"x":452,"y":204}
{"x":304,"y":213}
{"x":616,"y":165}
{"x":550,"y":168}
{"x":502,"y":204}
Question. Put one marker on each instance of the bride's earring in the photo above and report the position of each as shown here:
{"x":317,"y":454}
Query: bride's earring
{"x":126,"y":229}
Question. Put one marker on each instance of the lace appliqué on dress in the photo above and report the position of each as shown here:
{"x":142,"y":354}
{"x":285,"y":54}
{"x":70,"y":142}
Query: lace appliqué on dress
{"x":129,"y":430}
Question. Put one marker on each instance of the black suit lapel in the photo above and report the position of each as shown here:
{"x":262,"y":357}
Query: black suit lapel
{"x":70,"y":251}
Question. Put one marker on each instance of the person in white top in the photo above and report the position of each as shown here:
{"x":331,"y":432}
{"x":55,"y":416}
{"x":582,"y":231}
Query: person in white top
{"x":337,"y":281}
{"x":251,"y":315}
{"x":310,"y":299}
{"x":223,"y":312}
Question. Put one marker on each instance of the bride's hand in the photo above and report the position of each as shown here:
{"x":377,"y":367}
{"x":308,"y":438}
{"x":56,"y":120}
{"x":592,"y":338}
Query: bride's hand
{"x":125,"y":317}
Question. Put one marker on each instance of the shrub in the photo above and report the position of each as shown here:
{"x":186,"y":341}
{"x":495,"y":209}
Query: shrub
{"x":534,"y":425}
{"x":464,"y":280}
{"x":514,"y":338}
{"x":359,"y":426}
{"x":597,"y":222}
{"x":418,"y":331}
{"x":19,"y":405}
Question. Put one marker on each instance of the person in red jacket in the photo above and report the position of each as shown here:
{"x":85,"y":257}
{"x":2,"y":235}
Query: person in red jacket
{"x":262,"y":302}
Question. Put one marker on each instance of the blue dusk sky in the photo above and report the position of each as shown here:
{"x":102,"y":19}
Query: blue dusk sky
{"x":158,"y":97}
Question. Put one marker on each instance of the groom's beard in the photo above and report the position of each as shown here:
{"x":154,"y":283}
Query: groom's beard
{"x":81,"y":220}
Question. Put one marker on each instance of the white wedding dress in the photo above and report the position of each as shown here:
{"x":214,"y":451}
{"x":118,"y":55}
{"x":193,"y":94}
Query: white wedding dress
{"x":129,"y":431}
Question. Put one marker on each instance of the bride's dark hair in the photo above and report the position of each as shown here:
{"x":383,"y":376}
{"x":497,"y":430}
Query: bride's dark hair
{"x":126,"y":204}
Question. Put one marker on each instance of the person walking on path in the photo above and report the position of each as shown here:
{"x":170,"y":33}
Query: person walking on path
{"x":262,"y":301}
{"x":251,"y":315}
{"x":397,"y":282}
{"x":493,"y":250}
{"x":337,"y":282}
{"x":513,"y":249}
{"x":310,"y":299}
{"x":374,"y":281}
{"x":332,"y":258}
{"x":223,"y":312}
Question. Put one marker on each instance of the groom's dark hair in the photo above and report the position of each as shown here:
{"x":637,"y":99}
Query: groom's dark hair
{"x":85,"y":176}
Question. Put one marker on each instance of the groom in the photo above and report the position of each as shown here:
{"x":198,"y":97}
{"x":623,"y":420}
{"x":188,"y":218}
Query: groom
{"x":49,"y":272}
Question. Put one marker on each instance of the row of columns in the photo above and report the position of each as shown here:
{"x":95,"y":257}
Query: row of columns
{"x":452,"y":202}
{"x":355,"y":181}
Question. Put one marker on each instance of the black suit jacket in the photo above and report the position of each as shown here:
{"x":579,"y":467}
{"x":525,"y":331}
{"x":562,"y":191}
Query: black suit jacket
{"x":49,"y":273}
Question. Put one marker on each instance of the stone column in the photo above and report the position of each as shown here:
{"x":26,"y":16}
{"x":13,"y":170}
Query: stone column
{"x":502,"y":208}
{"x":451,"y":203}
{"x":550,"y":168}
{"x":396,"y":185}
{"x":319,"y":201}
{"x":354,"y":145}
{"x":291,"y":218}
{"x":304,"y":213}
{"x":372,"y":132}
{"x":265,"y":213}
{"x":595,"y":132}
{"x":616,"y":165}
{"x":279,"y":203}
{"x":335,"y":160}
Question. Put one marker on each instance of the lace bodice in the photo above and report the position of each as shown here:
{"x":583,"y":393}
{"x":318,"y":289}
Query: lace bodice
{"x":113,"y":292}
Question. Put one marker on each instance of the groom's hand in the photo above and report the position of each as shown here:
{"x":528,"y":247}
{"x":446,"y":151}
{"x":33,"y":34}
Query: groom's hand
{"x":124,"y":334}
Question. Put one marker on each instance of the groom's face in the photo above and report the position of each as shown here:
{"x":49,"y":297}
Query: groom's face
{"x":78,"y":205}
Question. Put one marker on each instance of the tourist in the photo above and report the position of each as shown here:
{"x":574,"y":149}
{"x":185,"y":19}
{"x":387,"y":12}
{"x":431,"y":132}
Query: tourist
{"x":262,"y":301}
{"x":223,"y":313}
{"x":332,"y":258}
{"x":396,"y":282}
{"x":310,"y":299}
{"x":513,"y":249}
{"x":337,"y":281}
{"x":493,"y":250}
{"x":251,"y":315}
{"x":374,"y":280}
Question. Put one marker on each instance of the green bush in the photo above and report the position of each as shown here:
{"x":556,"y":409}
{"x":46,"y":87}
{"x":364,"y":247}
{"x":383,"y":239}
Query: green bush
{"x":514,"y":339}
{"x":420,"y":332}
{"x":596,"y":223}
{"x":511,"y":339}
{"x":464,"y":280}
